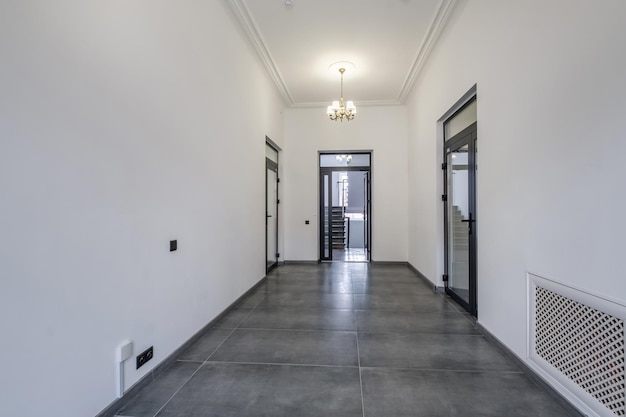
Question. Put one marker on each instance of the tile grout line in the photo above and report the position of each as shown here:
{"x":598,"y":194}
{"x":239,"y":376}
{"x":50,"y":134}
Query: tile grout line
{"x":178,"y":390}
{"x":442,"y":370}
{"x":293,"y":330}
{"x":204,"y":362}
{"x":308,"y":365}
{"x":258,"y":306}
{"x":358,"y":352}
{"x":201,"y":364}
{"x":455,"y":306}
{"x":234,"y":329}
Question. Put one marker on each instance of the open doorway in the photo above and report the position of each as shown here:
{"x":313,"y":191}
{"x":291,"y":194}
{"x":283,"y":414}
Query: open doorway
{"x":345,"y":202}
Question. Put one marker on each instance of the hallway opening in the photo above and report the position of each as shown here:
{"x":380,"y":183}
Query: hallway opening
{"x":345,"y":206}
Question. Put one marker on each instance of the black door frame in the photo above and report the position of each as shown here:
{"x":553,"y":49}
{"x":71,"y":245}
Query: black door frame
{"x":273,"y":166}
{"x":368,"y":198}
{"x":467,"y":136}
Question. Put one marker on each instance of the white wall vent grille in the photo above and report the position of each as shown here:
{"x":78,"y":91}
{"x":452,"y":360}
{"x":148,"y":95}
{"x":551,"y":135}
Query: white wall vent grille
{"x":584,"y":344}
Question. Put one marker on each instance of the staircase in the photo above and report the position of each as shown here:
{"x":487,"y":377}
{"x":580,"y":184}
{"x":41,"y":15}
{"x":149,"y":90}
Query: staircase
{"x":338,"y":227}
{"x":460,"y":236}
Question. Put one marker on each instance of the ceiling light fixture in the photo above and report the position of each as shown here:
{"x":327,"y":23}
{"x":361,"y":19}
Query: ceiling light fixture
{"x":338,"y":110}
{"x":344,"y":158}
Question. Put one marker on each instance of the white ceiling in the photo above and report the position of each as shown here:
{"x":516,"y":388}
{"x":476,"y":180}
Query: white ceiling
{"x":387,"y":40}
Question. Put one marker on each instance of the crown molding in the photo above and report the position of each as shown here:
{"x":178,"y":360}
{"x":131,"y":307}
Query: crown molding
{"x":434,"y":31}
{"x":357,"y":103}
{"x":246,"y":21}
{"x":241,"y":12}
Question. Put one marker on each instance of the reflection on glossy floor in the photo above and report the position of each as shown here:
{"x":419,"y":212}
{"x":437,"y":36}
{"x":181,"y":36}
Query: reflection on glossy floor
{"x":343,"y":339}
{"x":350,"y":255}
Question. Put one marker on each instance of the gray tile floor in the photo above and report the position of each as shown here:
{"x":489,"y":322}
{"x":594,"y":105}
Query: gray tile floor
{"x":343,"y":339}
{"x":350,"y":255}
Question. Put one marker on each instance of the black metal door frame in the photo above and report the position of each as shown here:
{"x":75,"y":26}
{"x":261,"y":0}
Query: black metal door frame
{"x":467,"y":136}
{"x":273,"y":166}
{"x":329,"y":171}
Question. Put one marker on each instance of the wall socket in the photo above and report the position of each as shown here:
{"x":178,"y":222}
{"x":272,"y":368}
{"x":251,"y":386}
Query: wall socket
{"x":145,"y":356}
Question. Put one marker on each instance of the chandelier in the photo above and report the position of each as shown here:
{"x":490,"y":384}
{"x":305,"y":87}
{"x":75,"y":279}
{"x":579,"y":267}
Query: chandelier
{"x":344,"y":158}
{"x":338,"y":110}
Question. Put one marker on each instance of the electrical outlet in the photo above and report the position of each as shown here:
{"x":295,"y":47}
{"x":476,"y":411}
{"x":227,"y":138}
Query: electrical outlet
{"x":145,"y":356}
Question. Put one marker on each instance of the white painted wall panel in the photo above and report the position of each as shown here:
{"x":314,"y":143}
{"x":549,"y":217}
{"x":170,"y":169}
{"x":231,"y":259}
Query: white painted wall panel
{"x":551,"y":98}
{"x":115,"y":139}
{"x":380,"y":129}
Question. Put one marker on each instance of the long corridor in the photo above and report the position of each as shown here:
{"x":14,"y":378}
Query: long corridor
{"x":345,"y":340}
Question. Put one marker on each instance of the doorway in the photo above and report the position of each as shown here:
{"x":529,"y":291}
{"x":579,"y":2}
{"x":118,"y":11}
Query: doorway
{"x":271,"y":207}
{"x":460,"y":152}
{"x":345,"y":206}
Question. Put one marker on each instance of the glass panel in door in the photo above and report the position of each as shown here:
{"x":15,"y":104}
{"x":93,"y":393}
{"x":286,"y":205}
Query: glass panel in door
{"x":271,"y":221}
{"x":326,"y":250}
{"x":459,"y":222}
{"x":366,"y":209}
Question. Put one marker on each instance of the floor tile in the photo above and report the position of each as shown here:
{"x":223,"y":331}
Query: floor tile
{"x":318,"y":286}
{"x":205,"y":345}
{"x":300,"y":319}
{"x":381,"y":321}
{"x":302,"y":341}
{"x":298,"y":275}
{"x":253,"y":299}
{"x":416,"y":303}
{"x":307,"y":300}
{"x":238,"y":390}
{"x":404,"y":393}
{"x":431,"y":351}
{"x":150,"y":400}
{"x":391,"y":289}
{"x":385,"y":278}
{"x":289,"y":346}
{"x":232,"y":319}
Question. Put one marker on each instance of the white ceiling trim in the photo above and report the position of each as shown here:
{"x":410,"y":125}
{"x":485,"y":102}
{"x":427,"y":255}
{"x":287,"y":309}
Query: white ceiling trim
{"x":359,"y":103}
{"x":444,"y":10}
{"x":247,"y":23}
{"x":434,"y":31}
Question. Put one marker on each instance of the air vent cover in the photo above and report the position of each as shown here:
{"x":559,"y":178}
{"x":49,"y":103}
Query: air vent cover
{"x":584,"y":344}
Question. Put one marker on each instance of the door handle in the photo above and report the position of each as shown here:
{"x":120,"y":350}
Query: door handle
{"x":269,"y":215}
{"x":470,"y":221}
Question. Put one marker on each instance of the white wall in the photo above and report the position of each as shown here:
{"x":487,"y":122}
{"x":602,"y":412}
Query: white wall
{"x":114,"y":140}
{"x":551,"y":100}
{"x":381,"y":129}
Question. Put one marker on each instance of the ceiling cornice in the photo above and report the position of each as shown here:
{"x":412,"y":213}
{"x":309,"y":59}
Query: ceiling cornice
{"x":360,"y":103}
{"x":444,"y":10}
{"x":247,"y":23}
{"x":436,"y":27}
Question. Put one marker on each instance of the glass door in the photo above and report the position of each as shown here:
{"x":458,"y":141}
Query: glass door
{"x":326,"y":253}
{"x":271,"y":209}
{"x":460,"y":214}
{"x":344,"y":206}
{"x":367,"y":230}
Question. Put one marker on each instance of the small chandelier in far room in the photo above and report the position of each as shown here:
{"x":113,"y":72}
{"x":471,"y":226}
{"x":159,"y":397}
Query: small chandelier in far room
{"x":344,"y":158}
{"x":338,"y":110}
